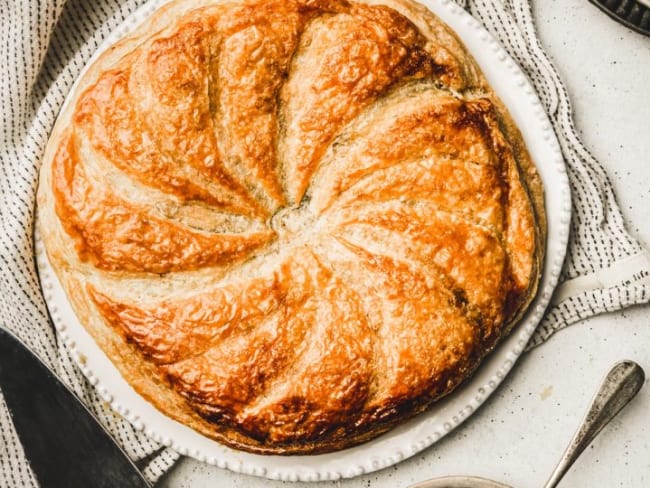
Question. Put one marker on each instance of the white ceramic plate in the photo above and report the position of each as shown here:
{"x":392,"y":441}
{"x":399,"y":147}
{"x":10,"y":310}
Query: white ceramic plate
{"x":422,"y":431}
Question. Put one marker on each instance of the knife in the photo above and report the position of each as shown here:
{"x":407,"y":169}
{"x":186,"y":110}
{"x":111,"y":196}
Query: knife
{"x":65,"y":444}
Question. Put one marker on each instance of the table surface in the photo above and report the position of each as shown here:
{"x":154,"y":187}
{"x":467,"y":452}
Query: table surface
{"x":520,"y":433}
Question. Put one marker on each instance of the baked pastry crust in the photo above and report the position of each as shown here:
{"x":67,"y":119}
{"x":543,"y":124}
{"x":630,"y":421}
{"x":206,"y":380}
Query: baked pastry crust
{"x":291,"y":225}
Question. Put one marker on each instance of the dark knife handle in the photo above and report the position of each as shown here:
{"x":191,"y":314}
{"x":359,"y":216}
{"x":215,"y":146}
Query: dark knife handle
{"x":64,"y":443}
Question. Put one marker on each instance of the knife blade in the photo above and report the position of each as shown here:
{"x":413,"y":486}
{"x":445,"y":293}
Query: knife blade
{"x":65,"y":444}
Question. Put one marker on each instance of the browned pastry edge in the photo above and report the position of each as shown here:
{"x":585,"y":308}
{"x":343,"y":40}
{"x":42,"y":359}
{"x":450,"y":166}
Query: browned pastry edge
{"x":144,"y":377}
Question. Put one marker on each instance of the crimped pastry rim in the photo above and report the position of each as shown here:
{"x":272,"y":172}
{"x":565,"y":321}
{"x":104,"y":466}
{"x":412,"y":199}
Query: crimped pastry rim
{"x":551,"y":273}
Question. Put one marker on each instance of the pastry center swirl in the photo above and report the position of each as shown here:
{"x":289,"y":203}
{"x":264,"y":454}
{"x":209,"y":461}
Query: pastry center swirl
{"x":290,"y":223}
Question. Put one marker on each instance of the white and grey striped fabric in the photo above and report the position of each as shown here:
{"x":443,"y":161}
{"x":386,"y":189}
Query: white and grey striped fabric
{"x":45,"y":44}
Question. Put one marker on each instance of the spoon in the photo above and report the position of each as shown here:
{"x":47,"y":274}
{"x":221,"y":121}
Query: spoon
{"x":621,"y":384}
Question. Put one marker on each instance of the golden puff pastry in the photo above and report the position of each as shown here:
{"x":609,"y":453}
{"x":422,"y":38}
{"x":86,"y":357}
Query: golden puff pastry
{"x":291,"y":224}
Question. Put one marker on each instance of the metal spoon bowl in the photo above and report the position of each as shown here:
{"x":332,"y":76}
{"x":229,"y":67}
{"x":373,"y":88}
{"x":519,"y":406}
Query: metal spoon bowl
{"x":621,"y":384}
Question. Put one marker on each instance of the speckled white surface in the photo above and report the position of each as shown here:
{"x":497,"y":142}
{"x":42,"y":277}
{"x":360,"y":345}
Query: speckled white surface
{"x":522,"y":430}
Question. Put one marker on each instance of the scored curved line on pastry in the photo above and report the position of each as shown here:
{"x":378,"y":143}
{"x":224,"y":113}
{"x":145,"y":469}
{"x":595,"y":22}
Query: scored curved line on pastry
{"x":443,"y":46}
{"x":114,"y":234}
{"x":107,"y":118}
{"x":169,"y":83}
{"x":329,"y":382}
{"x":439,"y":125}
{"x":472,"y":261}
{"x":173,"y":330}
{"x":521,"y":238}
{"x":466,"y":189}
{"x":251,"y":64}
{"x":233,"y":372}
{"x":343,"y":63}
{"x":424,"y":330}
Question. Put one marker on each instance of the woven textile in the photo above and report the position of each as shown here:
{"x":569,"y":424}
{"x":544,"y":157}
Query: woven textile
{"x":45,"y":44}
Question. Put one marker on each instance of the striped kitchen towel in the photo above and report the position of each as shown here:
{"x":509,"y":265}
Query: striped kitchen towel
{"x":45,"y":44}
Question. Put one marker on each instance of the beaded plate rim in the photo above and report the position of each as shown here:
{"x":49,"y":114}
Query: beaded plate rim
{"x":410,"y":438}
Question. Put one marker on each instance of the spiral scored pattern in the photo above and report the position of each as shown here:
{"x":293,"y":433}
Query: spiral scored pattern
{"x":345,"y":181}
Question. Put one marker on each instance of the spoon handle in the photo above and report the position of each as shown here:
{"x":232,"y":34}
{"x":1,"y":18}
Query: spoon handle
{"x":620,"y":385}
